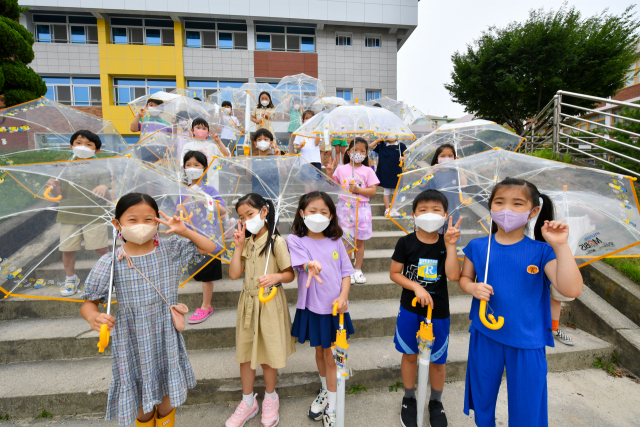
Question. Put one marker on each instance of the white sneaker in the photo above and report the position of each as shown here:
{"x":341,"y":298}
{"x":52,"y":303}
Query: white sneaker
{"x":318,"y":406}
{"x":70,"y":287}
{"x":386,"y":212}
{"x":329,"y":419}
{"x":394,"y":213}
{"x":563,"y":338}
{"x":359,"y":277}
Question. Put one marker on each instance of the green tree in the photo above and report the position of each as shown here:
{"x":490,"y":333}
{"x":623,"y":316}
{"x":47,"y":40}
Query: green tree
{"x":18,"y":82}
{"x":509,"y":74}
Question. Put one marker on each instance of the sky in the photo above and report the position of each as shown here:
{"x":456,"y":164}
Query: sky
{"x":444,"y":27}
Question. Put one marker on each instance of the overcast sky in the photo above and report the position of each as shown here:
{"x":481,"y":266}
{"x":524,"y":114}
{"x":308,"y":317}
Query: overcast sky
{"x":424,"y":62}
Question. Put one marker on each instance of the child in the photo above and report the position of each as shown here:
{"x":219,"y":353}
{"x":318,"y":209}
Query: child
{"x":195,"y":163}
{"x":152,"y":123}
{"x":148,"y":352}
{"x":389,"y":155}
{"x":295,"y":121}
{"x":76,"y":216}
{"x":556,"y":308}
{"x":520,"y":270}
{"x":262,"y":331}
{"x":309,"y":148}
{"x":363,"y":185}
{"x":200,"y":130}
{"x":265,"y":179}
{"x":421,"y":263}
{"x":230,"y":122}
{"x":319,"y":255}
{"x":261,"y":114}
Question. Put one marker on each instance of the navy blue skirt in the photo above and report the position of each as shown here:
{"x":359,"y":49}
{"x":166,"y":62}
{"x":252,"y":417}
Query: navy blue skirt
{"x":319,"y":329}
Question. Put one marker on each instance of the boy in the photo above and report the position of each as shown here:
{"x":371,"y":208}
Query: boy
{"x":266,"y":176}
{"x":200,"y":130}
{"x":152,"y":123}
{"x":80,"y":223}
{"x":421,"y":263}
{"x":230,"y":122}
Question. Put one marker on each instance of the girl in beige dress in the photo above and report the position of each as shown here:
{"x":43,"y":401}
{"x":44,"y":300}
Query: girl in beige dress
{"x":263,"y":331}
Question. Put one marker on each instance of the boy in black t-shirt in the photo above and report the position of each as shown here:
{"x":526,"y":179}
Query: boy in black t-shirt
{"x":421,"y":264}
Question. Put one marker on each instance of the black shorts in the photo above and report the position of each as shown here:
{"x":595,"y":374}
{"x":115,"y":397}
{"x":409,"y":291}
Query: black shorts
{"x":210,"y":273}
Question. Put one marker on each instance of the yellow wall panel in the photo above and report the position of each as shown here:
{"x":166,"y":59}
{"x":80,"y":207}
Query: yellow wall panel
{"x":151,"y":53}
{"x":167,"y":68}
{"x":150,"y":68}
{"x":132,"y":67}
{"x":132,"y":52}
{"x":115,"y":66}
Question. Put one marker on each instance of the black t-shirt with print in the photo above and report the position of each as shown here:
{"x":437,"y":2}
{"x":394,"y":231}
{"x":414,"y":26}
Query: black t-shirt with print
{"x":424,"y":264}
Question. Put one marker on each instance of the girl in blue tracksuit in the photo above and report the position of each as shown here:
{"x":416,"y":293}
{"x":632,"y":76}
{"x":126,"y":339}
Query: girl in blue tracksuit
{"x":520,"y":273}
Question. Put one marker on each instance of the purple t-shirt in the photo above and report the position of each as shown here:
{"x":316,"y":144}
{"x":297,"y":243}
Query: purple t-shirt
{"x":333,"y":257}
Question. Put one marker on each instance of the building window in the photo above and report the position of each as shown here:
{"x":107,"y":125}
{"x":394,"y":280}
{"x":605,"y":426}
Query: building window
{"x":372,"y":94}
{"x":372,"y":41}
{"x":617,"y":112}
{"x":126,"y":90}
{"x":152,"y":32}
{"x":344,"y":94}
{"x":343,"y":39}
{"x":204,"y":35}
{"x":78,"y":91}
{"x":632,"y":74}
{"x":65,"y":29}
{"x":280,"y":38}
{"x":203,"y":88}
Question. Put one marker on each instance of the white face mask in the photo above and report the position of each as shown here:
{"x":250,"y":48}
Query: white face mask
{"x":263,"y":145}
{"x":296,"y":106}
{"x":193,"y":173}
{"x":139,"y":234}
{"x":429,"y":222}
{"x":255,"y":224}
{"x":154,"y":111}
{"x":317,"y":222}
{"x":357,"y":157}
{"x":227,"y":109}
{"x":442,"y":160}
{"x":264,"y":103}
{"x":83,"y":152}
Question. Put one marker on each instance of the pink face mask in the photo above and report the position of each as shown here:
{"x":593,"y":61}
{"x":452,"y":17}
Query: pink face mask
{"x":200,"y":133}
{"x":509,"y":220}
{"x":442,"y":160}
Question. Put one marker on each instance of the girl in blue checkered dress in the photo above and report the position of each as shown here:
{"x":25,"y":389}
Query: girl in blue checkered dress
{"x":151,"y":371}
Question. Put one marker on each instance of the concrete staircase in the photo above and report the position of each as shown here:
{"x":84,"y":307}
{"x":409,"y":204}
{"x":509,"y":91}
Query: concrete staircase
{"x":49,"y":359}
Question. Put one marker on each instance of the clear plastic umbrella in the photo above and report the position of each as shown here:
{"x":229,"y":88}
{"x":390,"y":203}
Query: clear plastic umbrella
{"x":40,"y":131}
{"x":417,"y":121}
{"x":327,"y":103}
{"x":468,"y":138}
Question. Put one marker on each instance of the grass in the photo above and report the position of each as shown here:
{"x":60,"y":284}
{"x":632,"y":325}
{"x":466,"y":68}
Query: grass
{"x":42,"y":156}
{"x":547,"y":153}
{"x":44,"y":414}
{"x":630,"y":267}
{"x":357,"y":388}
{"x":394,"y":387}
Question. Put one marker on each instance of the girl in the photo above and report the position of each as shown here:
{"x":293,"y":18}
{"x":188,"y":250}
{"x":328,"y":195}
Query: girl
{"x":324,"y":271}
{"x":208,"y":270}
{"x":363,"y":185}
{"x":389,"y":155}
{"x":261,"y":114}
{"x":309,"y":148}
{"x":296,"y":118}
{"x":520,"y":271}
{"x":151,"y":370}
{"x":262,"y":330}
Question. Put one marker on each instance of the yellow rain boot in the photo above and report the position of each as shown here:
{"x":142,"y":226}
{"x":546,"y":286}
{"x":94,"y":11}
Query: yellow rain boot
{"x":167,"y":421}
{"x":150,"y":423}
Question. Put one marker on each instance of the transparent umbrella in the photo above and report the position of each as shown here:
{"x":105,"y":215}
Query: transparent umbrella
{"x":417,"y":121}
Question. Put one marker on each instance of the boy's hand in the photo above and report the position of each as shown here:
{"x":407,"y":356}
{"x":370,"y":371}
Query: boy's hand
{"x":239,"y":235}
{"x":314,"y":269}
{"x":342,"y":304}
{"x":424,"y":299}
{"x":267,"y":280}
{"x":101,"y":319}
{"x":481,"y":291}
{"x":555,"y":232}
{"x":140,"y":113}
{"x":100,"y":190}
{"x":453,"y":232}
{"x":53,"y":183}
{"x":174,"y":223}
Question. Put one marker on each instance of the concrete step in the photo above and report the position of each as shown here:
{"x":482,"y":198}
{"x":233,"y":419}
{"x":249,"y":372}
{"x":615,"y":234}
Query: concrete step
{"x":28,"y":340}
{"x":72,"y":387}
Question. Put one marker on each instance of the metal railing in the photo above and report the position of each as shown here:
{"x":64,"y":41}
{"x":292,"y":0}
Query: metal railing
{"x":554,"y":128}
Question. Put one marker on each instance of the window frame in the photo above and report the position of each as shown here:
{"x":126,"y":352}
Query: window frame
{"x":369,"y":91}
{"x":286,"y":34}
{"x":147,"y":87}
{"x":343,"y":90}
{"x":217,"y":31}
{"x":373,"y":36}
{"x":200,"y":90}
{"x":72,"y":91}
{"x":67,"y":25}
{"x":632,"y":74}
{"x":144,"y":27}
{"x":348,"y":36}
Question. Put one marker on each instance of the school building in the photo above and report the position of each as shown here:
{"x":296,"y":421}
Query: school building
{"x":98,"y":55}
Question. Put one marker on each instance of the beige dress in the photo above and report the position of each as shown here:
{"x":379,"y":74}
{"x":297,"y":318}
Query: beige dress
{"x":263,"y":332}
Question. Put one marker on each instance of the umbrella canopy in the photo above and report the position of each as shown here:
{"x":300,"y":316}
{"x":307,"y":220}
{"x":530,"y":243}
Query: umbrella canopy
{"x":139,"y":103}
{"x":468,"y":138}
{"x":36,"y":225}
{"x":601,"y":208}
{"x":301,"y":85}
{"x":417,"y":121}
{"x":327,"y":103}
{"x":40,"y":131}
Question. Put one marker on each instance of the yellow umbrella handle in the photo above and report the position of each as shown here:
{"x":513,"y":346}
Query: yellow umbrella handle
{"x":335,"y":313}
{"x":182,"y":216}
{"x":104,"y":337}
{"x":463,"y":201}
{"x":269,"y":297}
{"x":491,"y":323}
{"x":341,"y":334}
{"x":414,"y":302}
{"x":51,"y":198}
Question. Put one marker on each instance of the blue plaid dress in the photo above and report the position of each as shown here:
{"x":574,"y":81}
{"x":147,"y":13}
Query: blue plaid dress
{"x":149,"y":355}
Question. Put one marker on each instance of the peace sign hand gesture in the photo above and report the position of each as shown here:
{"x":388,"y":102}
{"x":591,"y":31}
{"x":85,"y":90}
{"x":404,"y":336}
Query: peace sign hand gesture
{"x":174,"y":224}
{"x":239,"y":235}
{"x":314,"y":268}
{"x":453,"y":232}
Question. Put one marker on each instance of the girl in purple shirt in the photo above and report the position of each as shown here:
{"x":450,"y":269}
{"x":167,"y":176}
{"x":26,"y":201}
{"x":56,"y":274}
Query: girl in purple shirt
{"x":324,"y":278}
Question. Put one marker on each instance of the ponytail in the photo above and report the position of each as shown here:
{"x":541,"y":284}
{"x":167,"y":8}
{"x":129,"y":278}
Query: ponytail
{"x":256,"y":201}
{"x":547,"y":211}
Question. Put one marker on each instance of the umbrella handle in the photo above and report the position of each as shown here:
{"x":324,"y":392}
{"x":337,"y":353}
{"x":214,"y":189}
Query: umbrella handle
{"x":341,"y":334}
{"x":51,"y":198}
{"x":414,"y":302}
{"x":491,"y":323}
{"x":182,"y":216}
{"x":269,"y":297}
{"x":104,"y":337}
{"x":463,"y":201}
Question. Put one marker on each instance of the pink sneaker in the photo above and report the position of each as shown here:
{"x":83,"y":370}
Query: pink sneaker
{"x":200,"y":316}
{"x":270,"y":416}
{"x":243,"y":413}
